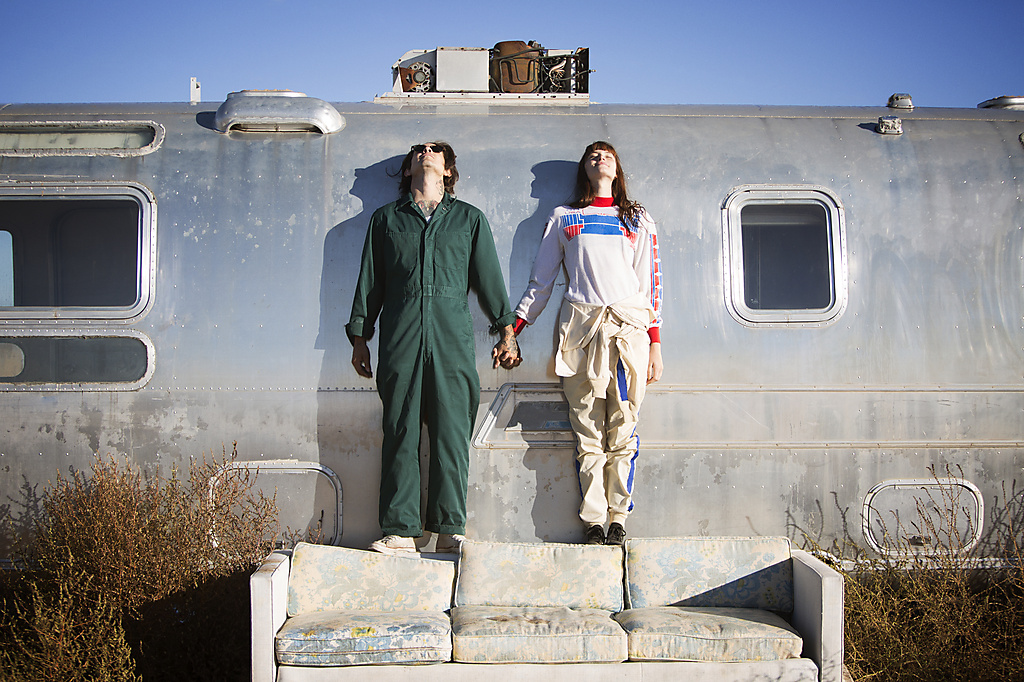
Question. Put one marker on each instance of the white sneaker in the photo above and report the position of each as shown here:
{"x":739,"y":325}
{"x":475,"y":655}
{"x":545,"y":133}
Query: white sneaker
{"x":394,"y":544}
{"x":448,"y":544}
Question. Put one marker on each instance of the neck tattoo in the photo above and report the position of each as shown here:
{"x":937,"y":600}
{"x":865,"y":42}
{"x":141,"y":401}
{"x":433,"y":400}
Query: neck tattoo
{"x":427,"y":206}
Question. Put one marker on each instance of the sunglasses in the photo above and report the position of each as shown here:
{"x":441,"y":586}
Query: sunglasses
{"x":418,"y":148}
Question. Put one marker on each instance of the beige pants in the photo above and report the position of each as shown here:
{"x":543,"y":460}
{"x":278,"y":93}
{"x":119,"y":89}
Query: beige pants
{"x":602,"y":359}
{"x":607,"y":446}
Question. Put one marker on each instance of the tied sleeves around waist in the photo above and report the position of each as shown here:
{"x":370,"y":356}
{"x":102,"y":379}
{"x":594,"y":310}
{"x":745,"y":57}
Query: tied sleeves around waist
{"x":592,"y":338}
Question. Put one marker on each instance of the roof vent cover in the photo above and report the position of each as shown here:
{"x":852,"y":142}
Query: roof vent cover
{"x":1004,"y":102}
{"x":277,"y":111}
{"x":900,"y":100}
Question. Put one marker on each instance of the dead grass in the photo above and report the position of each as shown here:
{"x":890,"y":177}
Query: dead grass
{"x":942,"y":616}
{"x":125,"y":578}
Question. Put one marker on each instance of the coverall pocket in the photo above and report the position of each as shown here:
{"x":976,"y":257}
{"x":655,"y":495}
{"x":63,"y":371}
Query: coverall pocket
{"x":452,"y":258}
{"x":401,"y":255}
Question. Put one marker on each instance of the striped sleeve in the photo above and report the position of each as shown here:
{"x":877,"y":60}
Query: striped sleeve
{"x":648,"y":270}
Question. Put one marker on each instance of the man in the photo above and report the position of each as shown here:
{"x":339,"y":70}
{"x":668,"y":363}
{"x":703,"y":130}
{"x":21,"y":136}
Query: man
{"x":421,"y":256}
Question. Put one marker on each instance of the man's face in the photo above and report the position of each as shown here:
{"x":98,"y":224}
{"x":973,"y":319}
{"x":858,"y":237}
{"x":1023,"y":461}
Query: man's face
{"x":428,"y":156}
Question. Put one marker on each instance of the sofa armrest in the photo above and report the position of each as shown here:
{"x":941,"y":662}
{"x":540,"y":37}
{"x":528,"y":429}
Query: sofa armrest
{"x":818,"y":613}
{"x":268,"y":592}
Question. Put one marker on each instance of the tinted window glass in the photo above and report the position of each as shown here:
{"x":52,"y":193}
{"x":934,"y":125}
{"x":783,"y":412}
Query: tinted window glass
{"x":63,"y":360}
{"x":77,"y":138}
{"x":72,"y":252}
{"x":787,"y":262}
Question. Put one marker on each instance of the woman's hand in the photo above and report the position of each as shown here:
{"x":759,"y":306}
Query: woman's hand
{"x":654,"y":365}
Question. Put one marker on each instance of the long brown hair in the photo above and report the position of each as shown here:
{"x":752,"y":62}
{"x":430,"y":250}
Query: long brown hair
{"x":629,"y":210}
{"x":405,"y":184}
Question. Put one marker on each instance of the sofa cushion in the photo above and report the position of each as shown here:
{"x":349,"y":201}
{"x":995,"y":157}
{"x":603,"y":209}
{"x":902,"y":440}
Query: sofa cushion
{"x":558,"y":634}
{"x":540,"y":575}
{"x":327,"y":578}
{"x":332,"y":638}
{"x":736,"y":572}
{"x":681,"y":633}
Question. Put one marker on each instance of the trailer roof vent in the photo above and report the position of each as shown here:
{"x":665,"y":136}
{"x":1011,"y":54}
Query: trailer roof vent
{"x":277,"y":111}
{"x":1004,"y":102}
{"x":900,"y":100}
{"x":889,"y":125}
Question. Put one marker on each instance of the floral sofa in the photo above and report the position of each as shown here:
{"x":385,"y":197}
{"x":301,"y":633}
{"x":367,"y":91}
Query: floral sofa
{"x":693,"y":608}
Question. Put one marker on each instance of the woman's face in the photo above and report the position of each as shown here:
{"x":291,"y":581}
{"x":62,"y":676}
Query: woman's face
{"x":600,"y":163}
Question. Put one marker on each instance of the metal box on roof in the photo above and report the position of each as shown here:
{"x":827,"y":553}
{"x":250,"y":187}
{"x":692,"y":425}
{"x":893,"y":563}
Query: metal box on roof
{"x":462,"y":69}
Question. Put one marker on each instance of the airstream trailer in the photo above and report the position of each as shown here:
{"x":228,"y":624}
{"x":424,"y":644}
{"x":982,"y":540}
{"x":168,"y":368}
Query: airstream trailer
{"x":843,"y":318}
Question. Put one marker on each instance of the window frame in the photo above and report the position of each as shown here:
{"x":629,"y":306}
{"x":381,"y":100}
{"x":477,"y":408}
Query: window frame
{"x":14,"y":386}
{"x":81,"y":128}
{"x":145,"y":267}
{"x":875,"y":517}
{"x":732,"y":230}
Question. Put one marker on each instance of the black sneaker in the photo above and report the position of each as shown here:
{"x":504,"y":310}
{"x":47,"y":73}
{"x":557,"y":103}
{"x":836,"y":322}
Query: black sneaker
{"x":595,"y":535}
{"x":616,"y":534}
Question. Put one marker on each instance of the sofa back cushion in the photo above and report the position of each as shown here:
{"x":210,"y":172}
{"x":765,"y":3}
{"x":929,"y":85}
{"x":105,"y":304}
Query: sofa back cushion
{"x":737,"y":572}
{"x":326,"y":578}
{"x":540,"y":575}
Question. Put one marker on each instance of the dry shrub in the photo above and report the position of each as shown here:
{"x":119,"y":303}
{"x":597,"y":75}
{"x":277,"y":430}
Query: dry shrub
{"x":942,"y":616}
{"x":66,"y":633}
{"x":123,"y":562}
{"x":911,"y":622}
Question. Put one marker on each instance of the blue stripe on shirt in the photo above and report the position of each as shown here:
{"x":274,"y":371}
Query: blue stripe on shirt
{"x":596,"y":224}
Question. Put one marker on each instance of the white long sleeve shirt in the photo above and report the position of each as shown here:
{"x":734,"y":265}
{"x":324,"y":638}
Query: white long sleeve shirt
{"x":605,"y":261}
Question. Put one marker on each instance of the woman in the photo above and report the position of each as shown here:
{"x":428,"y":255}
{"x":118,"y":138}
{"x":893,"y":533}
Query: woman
{"x":609,"y":330}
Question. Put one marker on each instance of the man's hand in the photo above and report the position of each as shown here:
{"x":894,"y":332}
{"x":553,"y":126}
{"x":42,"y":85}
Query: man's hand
{"x":361,"y":357}
{"x":506,"y":351}
{"x":654,"y":364}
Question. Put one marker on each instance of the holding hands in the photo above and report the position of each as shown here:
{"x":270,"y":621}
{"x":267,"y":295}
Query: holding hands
{"x":506,"y":351}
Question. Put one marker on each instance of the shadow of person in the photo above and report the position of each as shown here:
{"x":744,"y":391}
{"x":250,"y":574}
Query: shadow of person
{"x":555,"y":511}
{"x":557,"y":489}
{"x":552,"y":186}
{"x":343,"y":397}
{"x":374,"y":186}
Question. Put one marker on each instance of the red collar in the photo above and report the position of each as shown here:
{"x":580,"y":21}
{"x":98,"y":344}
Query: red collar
{"x":602,"y":202}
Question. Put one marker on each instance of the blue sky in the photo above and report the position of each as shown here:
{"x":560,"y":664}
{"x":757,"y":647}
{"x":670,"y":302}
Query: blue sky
{"x":945,"y":54}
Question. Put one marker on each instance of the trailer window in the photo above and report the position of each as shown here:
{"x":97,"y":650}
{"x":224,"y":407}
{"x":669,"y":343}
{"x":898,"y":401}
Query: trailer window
{"x":80,"y":138}
{"x":69,"y":361}
{"x":785,"y":256}
{"x":786,"y":263}
{"x":79,"y":255}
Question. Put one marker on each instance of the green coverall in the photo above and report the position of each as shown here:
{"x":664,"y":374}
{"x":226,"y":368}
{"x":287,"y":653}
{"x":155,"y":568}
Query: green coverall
{"x":416,"y":274}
